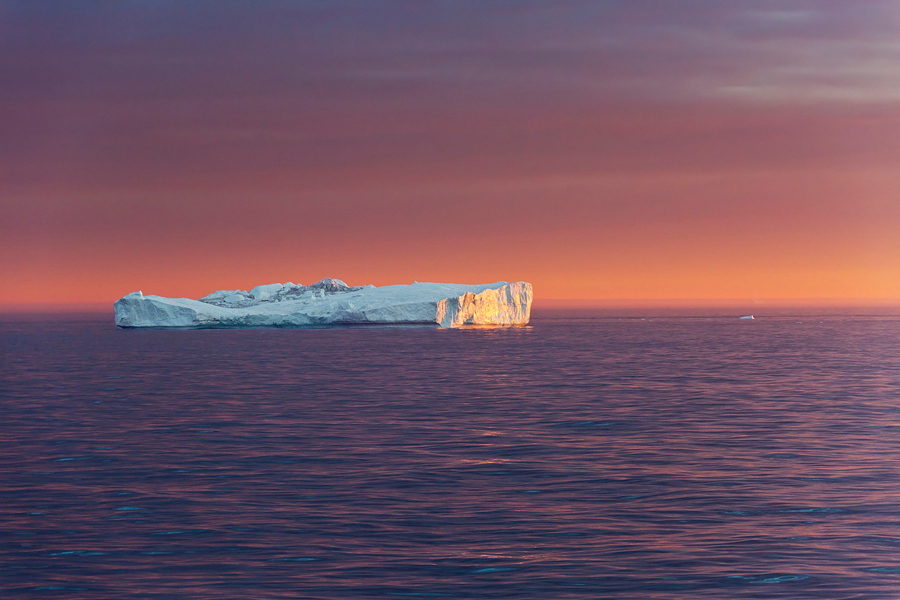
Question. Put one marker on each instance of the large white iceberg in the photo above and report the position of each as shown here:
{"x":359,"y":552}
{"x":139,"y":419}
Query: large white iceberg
{"x":332,"y":302}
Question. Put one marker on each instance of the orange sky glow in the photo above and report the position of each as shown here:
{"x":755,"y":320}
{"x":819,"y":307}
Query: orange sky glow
{"x":694,"y":152}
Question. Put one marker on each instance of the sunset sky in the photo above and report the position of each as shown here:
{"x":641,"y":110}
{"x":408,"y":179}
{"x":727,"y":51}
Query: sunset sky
{"x":641,"y":149}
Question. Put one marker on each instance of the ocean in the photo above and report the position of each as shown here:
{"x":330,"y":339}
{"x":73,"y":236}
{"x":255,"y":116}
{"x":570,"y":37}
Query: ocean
{"x":593,"y":454}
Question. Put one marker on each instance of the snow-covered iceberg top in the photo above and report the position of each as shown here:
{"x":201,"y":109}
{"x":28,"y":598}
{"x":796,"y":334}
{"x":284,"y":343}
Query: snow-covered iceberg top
{"x":333,"y":302}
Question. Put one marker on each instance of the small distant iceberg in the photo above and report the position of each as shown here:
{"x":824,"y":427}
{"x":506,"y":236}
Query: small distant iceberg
{"x":748,"y":317}
{"x":333,"y":302}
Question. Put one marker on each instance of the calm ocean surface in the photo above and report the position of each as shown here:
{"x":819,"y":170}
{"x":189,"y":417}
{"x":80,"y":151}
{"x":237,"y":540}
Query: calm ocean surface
{"x":590,"y":455}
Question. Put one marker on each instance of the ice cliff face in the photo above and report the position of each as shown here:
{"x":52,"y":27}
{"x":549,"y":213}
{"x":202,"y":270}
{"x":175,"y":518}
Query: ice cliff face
{"x":509,"y":304}
{"x":332,"y":302}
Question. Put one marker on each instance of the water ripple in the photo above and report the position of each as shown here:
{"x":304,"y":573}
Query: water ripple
{"x":586,"y":456}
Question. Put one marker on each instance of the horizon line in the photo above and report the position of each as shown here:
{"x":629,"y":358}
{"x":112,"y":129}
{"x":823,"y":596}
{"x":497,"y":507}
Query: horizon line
{"x":102,"y":307}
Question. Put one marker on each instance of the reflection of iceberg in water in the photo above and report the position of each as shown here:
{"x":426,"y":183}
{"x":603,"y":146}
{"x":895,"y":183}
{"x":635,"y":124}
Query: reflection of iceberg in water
{"x":332,"y":302}
{"x":748,"y":317}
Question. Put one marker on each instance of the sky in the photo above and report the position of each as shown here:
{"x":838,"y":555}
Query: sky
{"x":640,"y":150}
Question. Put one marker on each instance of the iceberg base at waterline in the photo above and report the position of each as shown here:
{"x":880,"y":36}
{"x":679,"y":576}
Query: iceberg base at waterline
{"x":332,"y":302}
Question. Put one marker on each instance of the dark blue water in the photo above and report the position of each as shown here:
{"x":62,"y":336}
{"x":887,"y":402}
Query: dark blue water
{"x":589,"y":455}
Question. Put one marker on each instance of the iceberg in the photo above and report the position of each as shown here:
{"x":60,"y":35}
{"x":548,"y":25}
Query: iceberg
{"x":333,"y":302}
